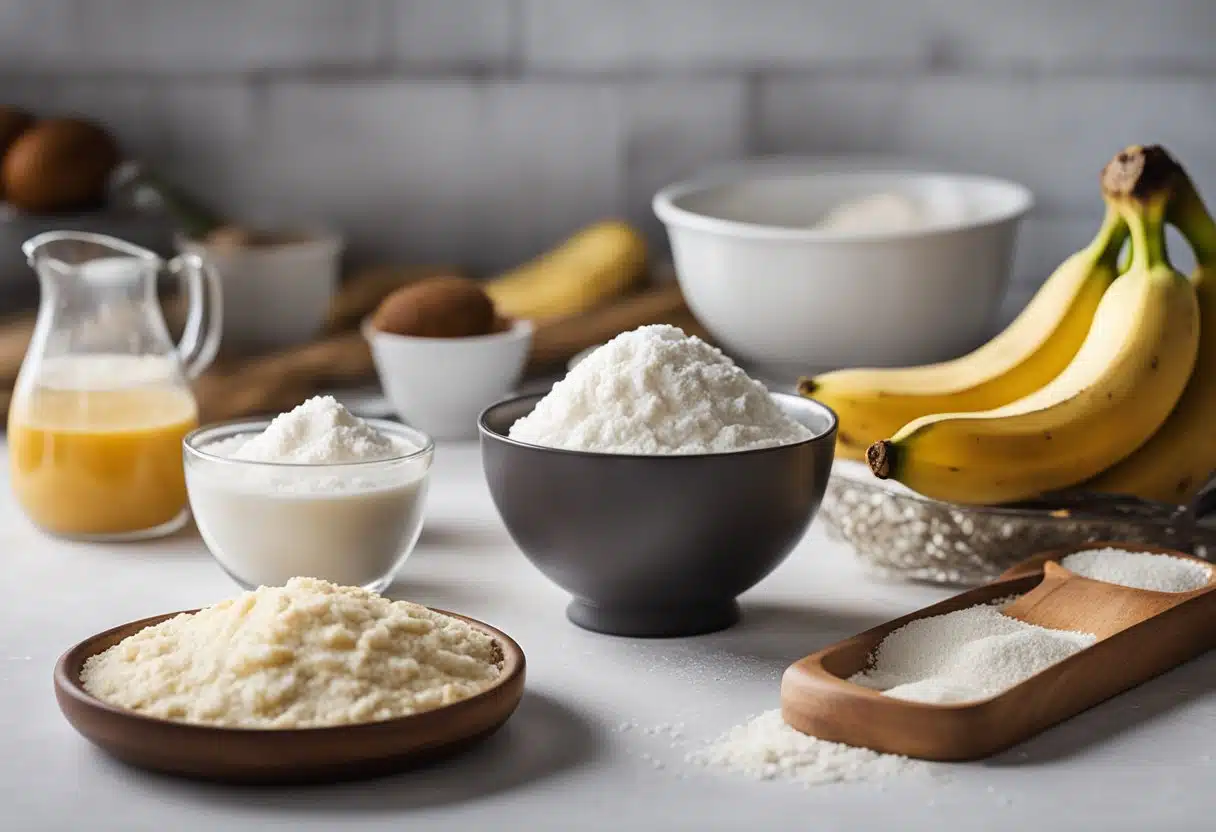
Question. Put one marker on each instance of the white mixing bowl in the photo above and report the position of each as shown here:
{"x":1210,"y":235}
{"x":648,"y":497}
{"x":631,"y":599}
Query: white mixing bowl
{"x":774,"y":291}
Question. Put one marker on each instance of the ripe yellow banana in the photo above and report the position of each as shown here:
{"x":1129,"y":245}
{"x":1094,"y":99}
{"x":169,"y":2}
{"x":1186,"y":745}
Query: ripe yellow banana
{"x":1036,"y":347}
{"x":1114,"y":395}
{"x":1174,"y":465}
{"x":598,"y":263}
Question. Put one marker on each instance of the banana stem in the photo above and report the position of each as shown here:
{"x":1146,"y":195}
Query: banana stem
{"x":1146,"y":222}
{"x":1190,"y":216}
{"x":1141,"y":183}
{"x":1125,"y":260}
{"x":1111,"y":235}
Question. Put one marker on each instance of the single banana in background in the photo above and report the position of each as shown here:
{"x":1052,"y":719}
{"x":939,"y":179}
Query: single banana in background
{"x":1174,"y":465}
{"x":873,"y":404}
{"x":597,"y":264}
{"x":1114,"y":395}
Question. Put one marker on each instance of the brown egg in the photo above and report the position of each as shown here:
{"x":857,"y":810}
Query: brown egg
{"x":13,"y":123}
{"x":439,"y":307}
{"x":59,"y":164}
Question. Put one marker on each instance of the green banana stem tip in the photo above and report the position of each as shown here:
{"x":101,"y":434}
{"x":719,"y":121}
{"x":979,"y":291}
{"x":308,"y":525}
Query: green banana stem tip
{"x":1147,"y":226}
{"x":881,"y":457}
{"x":1190,"y":216}
{"x":1109,"y":242}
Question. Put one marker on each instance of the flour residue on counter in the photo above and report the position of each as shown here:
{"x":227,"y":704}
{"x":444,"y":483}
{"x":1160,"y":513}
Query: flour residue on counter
{"x":766,"y":748}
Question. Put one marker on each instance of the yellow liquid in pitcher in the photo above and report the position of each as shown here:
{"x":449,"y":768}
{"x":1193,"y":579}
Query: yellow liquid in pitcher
{"x":101,"y":462}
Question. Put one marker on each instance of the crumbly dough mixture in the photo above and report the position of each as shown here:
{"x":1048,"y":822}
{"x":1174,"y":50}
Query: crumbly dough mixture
{"x":308,"y":654}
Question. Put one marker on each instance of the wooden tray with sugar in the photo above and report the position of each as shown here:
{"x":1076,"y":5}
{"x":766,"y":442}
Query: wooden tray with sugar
{"x":1140,"y":634}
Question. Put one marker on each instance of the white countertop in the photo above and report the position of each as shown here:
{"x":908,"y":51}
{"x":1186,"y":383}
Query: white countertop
{"x":1141,"y":761}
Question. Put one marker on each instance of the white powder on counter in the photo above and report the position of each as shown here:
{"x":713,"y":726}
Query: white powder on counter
{"x":657,"y":391}
{"x":307,"y":654}
{"x":1139,"y":570}
{"x":767,"y":749}
{"x":965,"y":656}
{"x":318,"y":432}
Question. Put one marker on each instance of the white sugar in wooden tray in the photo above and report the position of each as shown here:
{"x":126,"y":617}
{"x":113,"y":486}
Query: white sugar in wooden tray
{"x":1138,"y":570}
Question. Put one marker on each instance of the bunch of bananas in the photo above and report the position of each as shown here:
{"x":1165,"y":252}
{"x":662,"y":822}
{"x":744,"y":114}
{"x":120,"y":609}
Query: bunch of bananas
{"x":1106,"y":381}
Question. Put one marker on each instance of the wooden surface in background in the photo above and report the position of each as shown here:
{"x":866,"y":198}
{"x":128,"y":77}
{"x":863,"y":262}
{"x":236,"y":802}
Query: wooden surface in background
{"x":237,"y":386}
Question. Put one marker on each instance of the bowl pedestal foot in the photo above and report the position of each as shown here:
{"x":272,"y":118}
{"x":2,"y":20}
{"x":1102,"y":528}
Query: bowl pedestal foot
{"x":654,"y":622}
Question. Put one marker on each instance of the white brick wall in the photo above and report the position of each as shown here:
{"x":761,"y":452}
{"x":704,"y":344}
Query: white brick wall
{"x":189,"y":36}
{"x":483,"y":130}
{"x":745,"y":34}
{"x":454,"y":34}
{"x":444,"y":169}
{"x":1051,"y":133}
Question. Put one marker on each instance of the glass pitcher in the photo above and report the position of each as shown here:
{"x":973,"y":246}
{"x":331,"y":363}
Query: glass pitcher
{"x":102,"y":400}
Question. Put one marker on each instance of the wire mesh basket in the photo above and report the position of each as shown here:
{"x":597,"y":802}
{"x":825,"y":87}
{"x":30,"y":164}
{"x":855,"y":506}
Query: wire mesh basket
{"x":899,"y":533}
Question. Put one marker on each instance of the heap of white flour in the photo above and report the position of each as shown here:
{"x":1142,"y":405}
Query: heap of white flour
{"x":318,"y":432}
{"x":307,"y":654}
{"x":657,"y":391}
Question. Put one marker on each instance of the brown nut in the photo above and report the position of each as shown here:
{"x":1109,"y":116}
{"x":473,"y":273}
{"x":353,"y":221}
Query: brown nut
{"x":438,"y":307}
{"x":60,"y":164}
{"x":13,"y":123}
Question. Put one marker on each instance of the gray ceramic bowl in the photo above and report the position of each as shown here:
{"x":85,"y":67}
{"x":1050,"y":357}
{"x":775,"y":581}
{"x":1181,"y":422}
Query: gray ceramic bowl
{"x":656,"y":545}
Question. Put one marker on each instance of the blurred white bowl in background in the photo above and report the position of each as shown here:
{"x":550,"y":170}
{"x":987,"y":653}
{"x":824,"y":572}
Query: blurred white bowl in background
{"x":775,"y":291}
{"x":276,"y":294}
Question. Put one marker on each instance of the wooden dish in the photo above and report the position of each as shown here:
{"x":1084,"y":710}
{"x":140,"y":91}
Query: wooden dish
{"x":245,"y":755}
{"x":1140,"y":633}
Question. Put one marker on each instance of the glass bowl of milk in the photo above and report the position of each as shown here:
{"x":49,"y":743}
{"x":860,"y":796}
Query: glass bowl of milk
{"x":324,"y":495}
